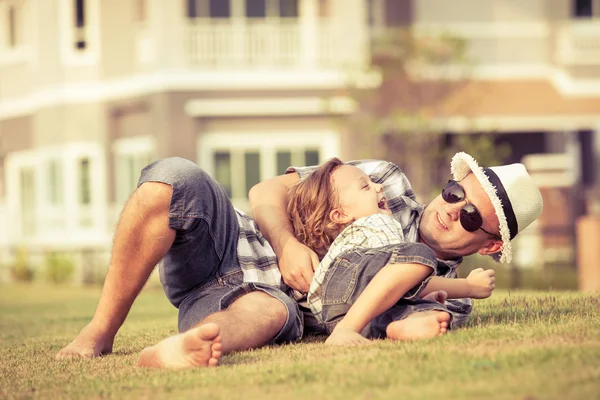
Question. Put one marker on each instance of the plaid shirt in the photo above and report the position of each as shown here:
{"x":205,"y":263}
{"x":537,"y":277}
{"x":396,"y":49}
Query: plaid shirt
{"x":256,"y":256}
{"x":374,"y":231}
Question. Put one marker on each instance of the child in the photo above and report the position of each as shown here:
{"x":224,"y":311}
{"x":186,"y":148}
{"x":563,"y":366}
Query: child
{"x":343,"y":216}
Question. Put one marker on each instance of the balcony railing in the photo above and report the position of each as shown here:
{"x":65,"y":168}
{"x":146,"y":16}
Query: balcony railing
{"x":264,"y":44}
{"x":578,"y":43}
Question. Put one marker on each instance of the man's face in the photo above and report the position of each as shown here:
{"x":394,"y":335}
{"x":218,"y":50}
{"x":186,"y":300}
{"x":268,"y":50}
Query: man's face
{"x":357,"y":195}
{"x":442,"y":231}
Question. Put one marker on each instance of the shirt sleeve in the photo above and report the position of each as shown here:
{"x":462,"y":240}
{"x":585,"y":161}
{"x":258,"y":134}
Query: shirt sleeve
{"x":303,"y":172}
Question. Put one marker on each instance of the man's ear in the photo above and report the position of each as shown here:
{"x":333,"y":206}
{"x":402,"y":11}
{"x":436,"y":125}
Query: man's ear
{"x":490,"y":247}
{"x":338,"y":216}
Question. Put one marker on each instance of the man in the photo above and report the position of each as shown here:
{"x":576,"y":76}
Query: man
{"x":481,"y":214}
{"x":222,"y":274}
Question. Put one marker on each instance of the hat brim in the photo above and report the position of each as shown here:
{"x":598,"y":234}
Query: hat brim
{"x":461,"y":165}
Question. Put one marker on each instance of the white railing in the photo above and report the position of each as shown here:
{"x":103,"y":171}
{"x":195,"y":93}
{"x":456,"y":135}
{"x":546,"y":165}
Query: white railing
{"x":578,"y":43}
{"x":279,"y":43}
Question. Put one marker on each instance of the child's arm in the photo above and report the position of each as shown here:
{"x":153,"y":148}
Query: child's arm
{"x":478,"y":285}
{"x":384,"y":290}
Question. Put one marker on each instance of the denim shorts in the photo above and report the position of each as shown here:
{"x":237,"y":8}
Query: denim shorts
{"x":351,"y":272}
{"x":200,"y":274}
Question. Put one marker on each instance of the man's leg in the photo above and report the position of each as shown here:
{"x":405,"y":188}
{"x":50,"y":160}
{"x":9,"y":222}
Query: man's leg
{"x":251,"y":321}
{"x":141,"y":240}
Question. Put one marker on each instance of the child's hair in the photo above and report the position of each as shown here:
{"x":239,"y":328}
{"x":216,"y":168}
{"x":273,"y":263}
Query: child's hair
{"x":310,"y":202}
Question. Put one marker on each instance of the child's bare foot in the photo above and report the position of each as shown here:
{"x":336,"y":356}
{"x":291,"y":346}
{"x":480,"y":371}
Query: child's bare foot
{"x":346,"y":337}
{"x":421,"y":325}
{"x":440,"y":296}
{"x":198,"y":347}
{"x":89,"y":343}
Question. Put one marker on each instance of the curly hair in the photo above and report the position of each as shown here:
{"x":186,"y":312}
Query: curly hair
{"x":310,"y":202}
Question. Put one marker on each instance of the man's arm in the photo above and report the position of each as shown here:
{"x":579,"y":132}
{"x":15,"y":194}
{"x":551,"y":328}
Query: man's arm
{"x":478,"y":285}
{"x":268,"y":201}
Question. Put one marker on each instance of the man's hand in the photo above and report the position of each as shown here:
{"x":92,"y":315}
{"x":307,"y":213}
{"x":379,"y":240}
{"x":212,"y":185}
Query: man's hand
{"x":297,"y":264}
{"x":481,"y":283}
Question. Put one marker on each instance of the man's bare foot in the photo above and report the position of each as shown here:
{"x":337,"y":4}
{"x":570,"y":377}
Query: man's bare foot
{"x":346,"y":337}
{"x":440,"y":296}
{"x":88,"y":344}
{"x":421,"y":325}
{"x":198,"y":347}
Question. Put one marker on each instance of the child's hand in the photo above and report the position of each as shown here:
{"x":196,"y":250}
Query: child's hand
{"x":481,"y":283}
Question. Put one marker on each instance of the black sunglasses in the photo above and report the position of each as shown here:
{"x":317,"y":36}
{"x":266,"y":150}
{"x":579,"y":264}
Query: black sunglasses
{"x":470,"y":218}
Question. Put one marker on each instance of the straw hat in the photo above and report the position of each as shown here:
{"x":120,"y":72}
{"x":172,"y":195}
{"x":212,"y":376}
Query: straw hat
{"x":515,"y":196}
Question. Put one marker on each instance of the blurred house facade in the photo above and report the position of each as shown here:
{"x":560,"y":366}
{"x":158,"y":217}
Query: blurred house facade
{"x":93,"y":90}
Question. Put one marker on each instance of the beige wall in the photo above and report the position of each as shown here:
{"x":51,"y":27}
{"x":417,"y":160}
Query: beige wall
{"x":16,"y":134}
{"x":479,"y":11}
{"x":118,"y":31}
{"x":70,"y":123}
{"x":511,"y":50}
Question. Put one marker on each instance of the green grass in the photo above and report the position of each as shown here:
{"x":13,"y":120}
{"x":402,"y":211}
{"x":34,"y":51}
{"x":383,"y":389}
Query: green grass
{"x":519,"y":345}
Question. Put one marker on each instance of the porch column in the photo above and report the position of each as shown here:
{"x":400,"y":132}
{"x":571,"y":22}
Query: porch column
{"x":172,"y":48}
{"x":308,"y":33}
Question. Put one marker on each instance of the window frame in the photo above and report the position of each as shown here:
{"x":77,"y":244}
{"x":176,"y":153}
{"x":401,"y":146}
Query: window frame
{"x":326,"y":142}
{"x":124,"y":150}
{"x":17,"y":52}
{"x":67,"y":220}
{"x":71,"y":55}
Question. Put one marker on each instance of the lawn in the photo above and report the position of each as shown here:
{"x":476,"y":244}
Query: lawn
{"x":518,"y":345}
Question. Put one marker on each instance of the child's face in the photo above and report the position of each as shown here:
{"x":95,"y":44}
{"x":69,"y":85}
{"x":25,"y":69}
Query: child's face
{"x":358,"y":195}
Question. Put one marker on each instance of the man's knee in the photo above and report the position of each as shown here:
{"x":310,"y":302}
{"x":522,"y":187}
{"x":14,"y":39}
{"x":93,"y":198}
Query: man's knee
{"x":270,"y":309}
{"x":154,"y":197}
{"x":174,"y":170}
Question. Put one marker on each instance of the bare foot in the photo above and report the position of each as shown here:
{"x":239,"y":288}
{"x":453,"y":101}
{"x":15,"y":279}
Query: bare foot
{"x":88,"y":344}
{"x":440,"y":296}
{"x":198,"y":347}
{"x":421,"y":325}
{"x":346,"y":337}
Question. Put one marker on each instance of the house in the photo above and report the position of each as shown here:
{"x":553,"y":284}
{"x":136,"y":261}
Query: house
{"x":93,"y":90}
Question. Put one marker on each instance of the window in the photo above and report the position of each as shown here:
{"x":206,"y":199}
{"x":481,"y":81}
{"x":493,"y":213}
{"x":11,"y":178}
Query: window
{"x":240,"y":161}
{"x":248,"y":163}
{"x":389,"y":13}
{"x":28,"y":201}
{"x":84,"y":182}
{"x":131,"y":155}
{"x":55,"y":194}
{"x":79,"y":32}
{"x":222,"y":168}
{"x":55,"y":183}
{"x":12,"y":26}
{"x":582,"y":8}
{"x":299,"y":157}
{"x":288,"y":8}
{"x":271,"y":8}
{"x":12,"y":14}
{"x":79,"y":14}
{"x":256,"y":8}
{"x":284,"y":160}
{"x":252,"y":169}
{"x":209,"y":8}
